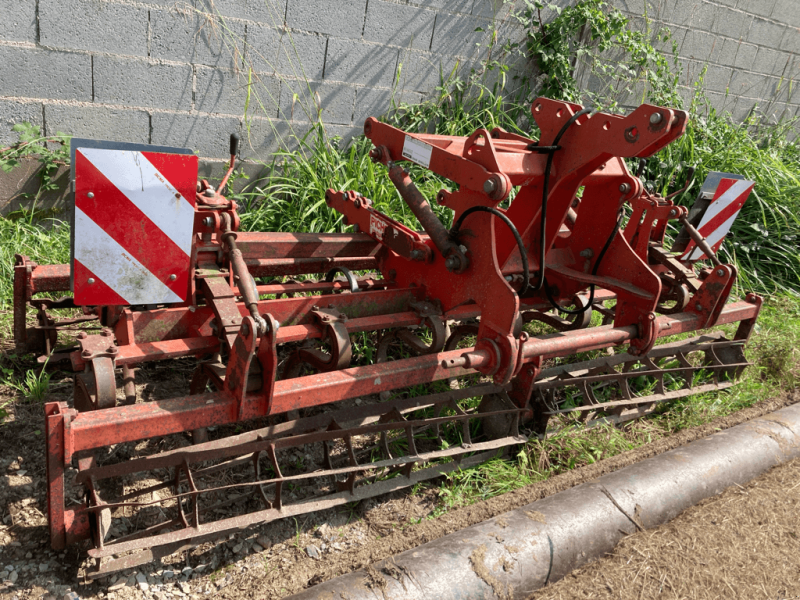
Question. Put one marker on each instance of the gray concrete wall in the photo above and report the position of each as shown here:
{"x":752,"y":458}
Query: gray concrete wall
{"x":181,"y":73}
{"x":751,"y":49}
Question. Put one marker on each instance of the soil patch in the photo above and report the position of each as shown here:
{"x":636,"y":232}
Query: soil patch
{"x":743,"y":543}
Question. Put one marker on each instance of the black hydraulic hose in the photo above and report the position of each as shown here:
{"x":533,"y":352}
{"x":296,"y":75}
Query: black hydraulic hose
{"x":545,"y":193}
{"x":596,"y":268}
{"x":522,"y":251}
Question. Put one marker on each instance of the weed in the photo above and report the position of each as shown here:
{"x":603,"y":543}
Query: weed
{"x":33,"y":387}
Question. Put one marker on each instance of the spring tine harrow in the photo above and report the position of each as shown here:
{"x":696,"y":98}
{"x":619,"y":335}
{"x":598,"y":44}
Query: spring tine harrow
{"x":552,"y":248}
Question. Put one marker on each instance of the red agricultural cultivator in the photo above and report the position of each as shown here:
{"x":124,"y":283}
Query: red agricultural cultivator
{"x":554,"y":249}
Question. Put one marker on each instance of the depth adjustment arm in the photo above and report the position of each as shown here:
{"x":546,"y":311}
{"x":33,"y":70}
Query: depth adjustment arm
{"x":247,"y":285}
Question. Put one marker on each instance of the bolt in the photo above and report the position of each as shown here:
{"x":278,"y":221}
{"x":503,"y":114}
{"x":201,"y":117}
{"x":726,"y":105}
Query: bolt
{"x":375,"y":154}
{"x":720,"y":273}
{"x":173,"y":277}
{"x":625,"y":188}
{"x":82,"y":335}
{"x":440,"y":198}
{"x":90,"y":281}
{"x":673,"y":212}
{"x":245,"y":328}
{"x":210,"y":193}
{"x":656,"y":118}
{"x":698,"y":306}
{"x":86,"y":353}
{"x":452,"y":263}
{"x":106,"y":332}
{"x":417,"y":255}
{"x":90,"y":195}
{"x":315,"y":307}
{"x":463,"y":249}
{"x":509,"y":278}
{"x":111,"y":350}
{"x":208,"y":221}
{"x":489,"y":186}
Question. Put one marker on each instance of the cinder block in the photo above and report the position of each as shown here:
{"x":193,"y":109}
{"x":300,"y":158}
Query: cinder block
{"x":123,"y":125}
{"x":766,"y":33}
{"x":717,"y":78}
{"x":791,"y":41}
{"x":11,"y":113}
{"x":762,"y":8}
{"x":457,"y":36}
{"x":271,"y":12}
{"x":452,"y":6}
{"x":207,"y":136}
{"x":399,"y":25}
{"x":771,"y":62}
{"x":263,"y":48}
{"x":302,"y":55}
{"x":36,"y":73}
{"x":226,"y":92}
{"x":731,"y":23}
{"x":188,"y":37}
{"x":377,"y":103}
{"x":357,"y":62}
{"x":342,"y":19}
{"x":743,"y":108}
{"x":303,"y":101}
{"x":93,"y":25}
{"x":751,"y":85}
{"x":745,"y":55}
{"x":786,"y":12}
{"x":692,"y":13}
{"x":491,"y":9}
{"x":18,"y":22}
{"x":261,"y":138}
{"x":138,"y":82}
{"x":423,"y":71}
{"x":699,"y":45}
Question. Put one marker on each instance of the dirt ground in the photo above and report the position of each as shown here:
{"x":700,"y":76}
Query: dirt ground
{"x":263,"y":563}
{"x":744,"y":543}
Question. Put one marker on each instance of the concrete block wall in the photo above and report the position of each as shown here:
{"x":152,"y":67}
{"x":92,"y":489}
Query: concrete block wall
{"x":181,"y":73}
{"x":750,"y":48}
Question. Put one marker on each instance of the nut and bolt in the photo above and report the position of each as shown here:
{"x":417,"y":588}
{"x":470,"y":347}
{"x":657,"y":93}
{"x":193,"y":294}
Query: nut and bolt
{"x":490,"y":186}
{"x":245,"y":328}
{"x":452,"y":263}
{"x":315,"y":307}
{"x":86,"y":353}
{"x":90,"y":281}
{"x":698,"y":306}
{"x":106,"y":332}
{"x":210,"y":193}
{"x":417,"y":255}
{"x":625,"y":188}
{"x":208,"y":221}
{"x":673,"y":212}
{"x":720,"y":273}
{"x":82,"y":335}
{"x":656,"y":118}
{"x":90,"y":195}
{"x":173,"y":277}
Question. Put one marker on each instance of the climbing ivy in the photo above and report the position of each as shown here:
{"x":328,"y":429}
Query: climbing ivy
{"x":591,"y":35}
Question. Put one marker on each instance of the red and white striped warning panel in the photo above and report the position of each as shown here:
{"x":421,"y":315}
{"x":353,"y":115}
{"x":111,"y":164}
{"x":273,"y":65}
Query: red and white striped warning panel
{"x":728,"y":199}
{"x":132,"y":231}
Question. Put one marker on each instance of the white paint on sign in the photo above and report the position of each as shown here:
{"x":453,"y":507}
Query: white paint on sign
{"x":115,"y":266}
{"x":417,"y":151}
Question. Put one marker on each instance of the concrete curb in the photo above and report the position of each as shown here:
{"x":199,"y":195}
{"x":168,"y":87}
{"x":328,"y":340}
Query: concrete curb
{"x":512,"y":555}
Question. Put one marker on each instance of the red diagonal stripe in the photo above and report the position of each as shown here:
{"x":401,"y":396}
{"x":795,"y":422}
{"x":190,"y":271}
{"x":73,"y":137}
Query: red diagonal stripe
{"x":130,"y":227}
{"x":95,"y":293}
{"x":723,"y":186}
{"x":725,"y":214}
{"x":180,"y":170}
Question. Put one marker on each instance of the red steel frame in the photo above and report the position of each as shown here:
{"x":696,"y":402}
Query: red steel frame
{"x":477,"y":276}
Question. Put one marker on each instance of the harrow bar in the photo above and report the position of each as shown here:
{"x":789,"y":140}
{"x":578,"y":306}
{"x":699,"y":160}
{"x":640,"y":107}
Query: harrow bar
{"x":189,"y":466}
